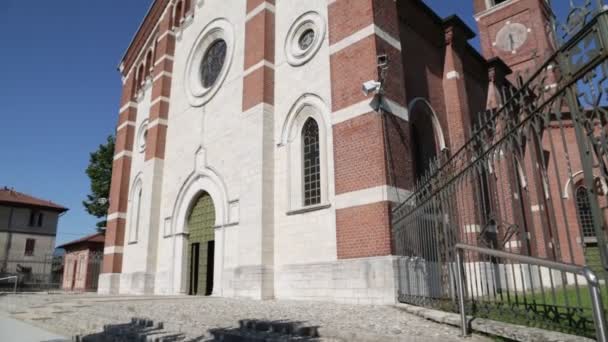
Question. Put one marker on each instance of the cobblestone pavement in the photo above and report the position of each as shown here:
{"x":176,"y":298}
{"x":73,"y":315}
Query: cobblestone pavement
{"x":194,"y":316}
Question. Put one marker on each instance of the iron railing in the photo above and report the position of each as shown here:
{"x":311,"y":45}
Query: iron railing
{"x":14,"y":279}
{"x":506,"y":279}
{"x":531,"y":180}
{"x":34,"y":273}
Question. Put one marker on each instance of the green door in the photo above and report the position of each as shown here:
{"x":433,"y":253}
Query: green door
{"x":201,"y":246}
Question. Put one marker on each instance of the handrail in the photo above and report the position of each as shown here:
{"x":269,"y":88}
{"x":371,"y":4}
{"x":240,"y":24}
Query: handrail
{"x":592,"y":279}
{"x":12,"y":277}
{"x":572,"y":268}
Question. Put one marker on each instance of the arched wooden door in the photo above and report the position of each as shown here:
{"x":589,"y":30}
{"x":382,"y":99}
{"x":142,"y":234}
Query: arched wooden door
{"x":201,"y":246}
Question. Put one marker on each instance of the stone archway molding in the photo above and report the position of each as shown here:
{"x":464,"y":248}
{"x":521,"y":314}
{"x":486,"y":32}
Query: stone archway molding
{"x":202,"y":179}
{"x":320,"y":113}
{"x":434,"y":119}
{"x":205,"y":180}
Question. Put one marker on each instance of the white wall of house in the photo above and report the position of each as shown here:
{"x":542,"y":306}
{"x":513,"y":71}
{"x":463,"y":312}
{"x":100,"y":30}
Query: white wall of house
{"x":15,"y":229}
{"x":44,"y":247}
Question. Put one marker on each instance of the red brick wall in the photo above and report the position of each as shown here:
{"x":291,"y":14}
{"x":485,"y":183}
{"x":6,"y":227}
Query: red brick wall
{"x":359,"y":156}
{"x":362,"y":231}
{"x":360,"y":151}
{"x":258,"y":85}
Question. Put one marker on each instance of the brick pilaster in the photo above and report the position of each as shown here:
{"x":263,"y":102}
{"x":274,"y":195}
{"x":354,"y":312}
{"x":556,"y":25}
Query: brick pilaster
{"x":258,"y":83}
{"x":460,"y":121}
{"x":258,"y":102}
{"x":161,"y":69}
{"x":161,"y":88}
{"x":121,"y":172}
{"x":359,"y":31}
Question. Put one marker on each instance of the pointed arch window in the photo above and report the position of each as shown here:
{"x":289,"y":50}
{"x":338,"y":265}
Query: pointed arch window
{"x":311,"y":163}
{"x":135,"y":216}
{"x":583,"y":207}
{"x":177,"y":15}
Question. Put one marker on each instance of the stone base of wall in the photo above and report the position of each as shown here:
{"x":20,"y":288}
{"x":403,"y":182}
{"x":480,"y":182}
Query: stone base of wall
{"x":352,"y":281}
{"x":253,"y":282}
{"x":137,"y":283}
{"x":108,"y":283}
{"x":163,"y":284}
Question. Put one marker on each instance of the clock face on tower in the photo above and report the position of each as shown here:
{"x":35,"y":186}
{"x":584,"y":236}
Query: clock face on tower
{"x":511,"y":37}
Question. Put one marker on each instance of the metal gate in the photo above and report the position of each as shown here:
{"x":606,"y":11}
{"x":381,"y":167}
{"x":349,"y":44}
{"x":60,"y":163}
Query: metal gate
{"x":532,"y":180}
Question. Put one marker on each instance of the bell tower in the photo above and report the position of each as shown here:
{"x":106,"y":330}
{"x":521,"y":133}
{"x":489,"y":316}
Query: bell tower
{"x":517,"y":31}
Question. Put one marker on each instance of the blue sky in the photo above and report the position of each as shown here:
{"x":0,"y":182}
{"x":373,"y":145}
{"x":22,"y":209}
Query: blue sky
{"x":59,"y":92}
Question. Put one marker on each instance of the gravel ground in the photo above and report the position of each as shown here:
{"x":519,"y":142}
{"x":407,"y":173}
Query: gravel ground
{"x":194,"y":316}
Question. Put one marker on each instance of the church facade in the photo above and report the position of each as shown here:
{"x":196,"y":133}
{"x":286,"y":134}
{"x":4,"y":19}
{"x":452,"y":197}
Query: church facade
{"x":250,"y":163}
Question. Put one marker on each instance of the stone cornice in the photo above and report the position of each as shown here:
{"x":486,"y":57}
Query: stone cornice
{"x":146,"y":28}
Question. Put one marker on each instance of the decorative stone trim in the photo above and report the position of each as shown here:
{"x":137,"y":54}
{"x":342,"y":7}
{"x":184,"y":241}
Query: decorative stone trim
{"x":366,"y":106}
{"x":130,"y":104}
{"x":310,"y":21}
{"x":115,"y":216}
{"x":308,"y":209}
{"x":263,"y":6}
{"x":142,"y":134}
{"x":123,"y":154}
{"x":377,"y":194}
{"x":197,"y":94}
{"x":362,"y":34}
{"x":125,"y":124}
{"x":113,"y":250}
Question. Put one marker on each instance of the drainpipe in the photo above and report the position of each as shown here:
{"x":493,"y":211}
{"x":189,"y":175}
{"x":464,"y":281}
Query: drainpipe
{"x":9,"y":241}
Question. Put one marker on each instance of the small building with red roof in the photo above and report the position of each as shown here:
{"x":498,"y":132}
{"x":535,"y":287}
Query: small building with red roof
{"x":82,"y":263}
{"x":28,"y":227}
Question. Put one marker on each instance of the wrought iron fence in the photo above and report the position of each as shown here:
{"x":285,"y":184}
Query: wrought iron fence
{"x":75,"y":271}
{"x":531,"y":180}
{"x":520,"y":288}
{"x":34,"y":273}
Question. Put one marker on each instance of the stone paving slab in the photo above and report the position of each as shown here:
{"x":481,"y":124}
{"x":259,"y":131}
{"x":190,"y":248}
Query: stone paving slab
{"x":196,"y":316}
{"x":16,"y":330}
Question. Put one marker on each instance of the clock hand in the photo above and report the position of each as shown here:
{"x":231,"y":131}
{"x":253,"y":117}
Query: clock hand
{"x":512,"y":41}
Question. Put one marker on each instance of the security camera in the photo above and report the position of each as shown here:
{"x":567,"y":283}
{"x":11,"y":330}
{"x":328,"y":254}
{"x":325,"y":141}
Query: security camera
{"x":371,"y":87}
{"x":382,"y":61}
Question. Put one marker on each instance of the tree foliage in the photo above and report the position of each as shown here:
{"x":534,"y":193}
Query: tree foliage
{"x":100,"y":174}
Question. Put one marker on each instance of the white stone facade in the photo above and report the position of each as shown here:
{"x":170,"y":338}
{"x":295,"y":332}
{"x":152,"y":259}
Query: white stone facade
{"x":267,"y":244}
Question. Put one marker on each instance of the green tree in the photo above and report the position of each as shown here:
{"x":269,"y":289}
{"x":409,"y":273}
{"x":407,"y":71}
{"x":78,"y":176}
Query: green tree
{"x":100,"y":174}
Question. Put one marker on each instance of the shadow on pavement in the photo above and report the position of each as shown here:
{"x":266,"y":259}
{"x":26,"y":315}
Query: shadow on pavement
{"x":140,"y":329}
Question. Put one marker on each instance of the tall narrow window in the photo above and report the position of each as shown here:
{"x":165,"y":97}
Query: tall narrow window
{"x":40,"y":219}
{"x":142,"y":76}
{"x":30,"y":244}
{"x":138,"y":214}
{"x":311,"y":163}
{"x":135,"y":215}
{"x":177,"y":16}
{"x":32,"y":221}
{"x":583,"y":206}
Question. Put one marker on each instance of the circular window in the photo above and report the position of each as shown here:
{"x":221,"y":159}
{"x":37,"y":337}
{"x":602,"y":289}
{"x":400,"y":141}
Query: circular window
{"x":142,"y":136}
{"x":213,"y":62}
{"x":209,"y":62}
{"x":304,"y":38}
